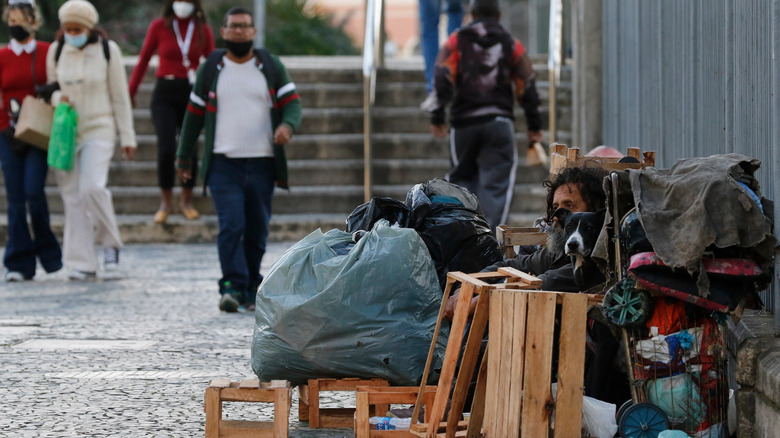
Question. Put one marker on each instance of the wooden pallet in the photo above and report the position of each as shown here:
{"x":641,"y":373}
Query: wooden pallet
{"x":309,"y":402}
{"x":368,"y":396}
{"x":562,"y":157}
{"x":513,"y":385}
{"x":223,"y":390}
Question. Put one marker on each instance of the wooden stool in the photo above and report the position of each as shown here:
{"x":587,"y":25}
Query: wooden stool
{"x":309,"y":402}
{"x":367,"y":396}
{"x":222,"y":390}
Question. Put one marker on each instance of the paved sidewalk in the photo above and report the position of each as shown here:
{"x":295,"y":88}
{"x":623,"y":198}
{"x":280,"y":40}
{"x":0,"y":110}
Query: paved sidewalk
{"x":128,"y":355}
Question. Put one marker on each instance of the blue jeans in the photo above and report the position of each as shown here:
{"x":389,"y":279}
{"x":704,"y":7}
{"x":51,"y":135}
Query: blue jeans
{"x":242,"y":189}
{"x":25,"y":178}
{"x":430,"y":10}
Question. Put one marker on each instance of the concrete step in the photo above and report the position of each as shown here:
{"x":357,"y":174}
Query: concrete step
{"x":350,"y":146}
{"x":350,"y":120}
{"x":300,"y":200}
{"x":350,"y":95}
{"x":139,"y":228}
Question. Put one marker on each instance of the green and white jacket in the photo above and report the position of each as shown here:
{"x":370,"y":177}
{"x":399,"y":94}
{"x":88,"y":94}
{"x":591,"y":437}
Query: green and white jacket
{"x":202,"y":111}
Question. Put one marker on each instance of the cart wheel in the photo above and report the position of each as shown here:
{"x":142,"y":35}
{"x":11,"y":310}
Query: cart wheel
{"x":642,"y":420}
{"x":619,"y":416}
{"x":626,"y":306}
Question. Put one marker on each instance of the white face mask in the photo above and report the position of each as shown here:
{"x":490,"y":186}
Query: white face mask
{"x":183,"y":9}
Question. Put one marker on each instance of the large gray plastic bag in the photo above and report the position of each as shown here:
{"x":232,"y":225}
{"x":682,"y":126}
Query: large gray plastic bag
{"x":370,"y":313}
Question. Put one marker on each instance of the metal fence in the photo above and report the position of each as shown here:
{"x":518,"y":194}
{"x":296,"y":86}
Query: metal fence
{"x":696,"y":78}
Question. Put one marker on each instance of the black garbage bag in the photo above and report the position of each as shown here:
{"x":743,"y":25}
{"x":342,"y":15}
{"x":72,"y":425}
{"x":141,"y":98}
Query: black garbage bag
{"x":450,"y":222}
{"x":366,"y":215}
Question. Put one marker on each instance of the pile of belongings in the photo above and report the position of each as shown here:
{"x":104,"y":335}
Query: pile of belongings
{"x":701,"y":232}
{"x":364,"y":302}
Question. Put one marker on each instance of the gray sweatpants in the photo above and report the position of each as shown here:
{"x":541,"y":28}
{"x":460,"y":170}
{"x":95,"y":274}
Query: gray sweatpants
{"x":484,"y":160}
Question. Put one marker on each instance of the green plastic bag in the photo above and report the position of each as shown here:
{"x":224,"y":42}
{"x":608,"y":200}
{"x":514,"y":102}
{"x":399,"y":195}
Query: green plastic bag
{"x":62,"y":144}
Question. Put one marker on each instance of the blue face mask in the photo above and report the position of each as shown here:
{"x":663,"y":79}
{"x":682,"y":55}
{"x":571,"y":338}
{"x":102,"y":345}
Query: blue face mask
{"x":77,"y":41}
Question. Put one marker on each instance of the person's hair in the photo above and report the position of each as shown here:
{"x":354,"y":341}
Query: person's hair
{"x":587,"y":179}
{"x":197,"y":14}
{"x":31,"y":13}
{"x":237,"y":10}
{"x":485,"y":9}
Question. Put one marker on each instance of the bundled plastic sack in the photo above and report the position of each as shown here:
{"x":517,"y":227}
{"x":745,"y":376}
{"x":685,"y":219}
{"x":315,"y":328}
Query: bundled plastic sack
{"x":453,"y":227}
{"x":679,"y":398}
{"x":369,"y":313}
{"x":62,"y":143}
{"x":366,"y":215}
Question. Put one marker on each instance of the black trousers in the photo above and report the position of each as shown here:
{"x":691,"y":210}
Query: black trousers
{"x":169,"y":103}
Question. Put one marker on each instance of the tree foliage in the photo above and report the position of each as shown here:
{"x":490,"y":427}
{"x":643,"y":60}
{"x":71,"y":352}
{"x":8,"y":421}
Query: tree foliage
{"x":292,"y":28}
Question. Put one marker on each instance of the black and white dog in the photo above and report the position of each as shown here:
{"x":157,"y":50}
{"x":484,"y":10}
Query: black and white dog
{"x":580,"y":232}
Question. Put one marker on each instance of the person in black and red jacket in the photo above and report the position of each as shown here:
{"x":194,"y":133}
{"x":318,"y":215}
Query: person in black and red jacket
{"x":22,"y":66}
{"x":181,"y":30}
{"x":476,"y":69}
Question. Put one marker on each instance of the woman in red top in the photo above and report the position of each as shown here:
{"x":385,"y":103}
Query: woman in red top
{"x":22,"y":66}
{"x":181,"y":30}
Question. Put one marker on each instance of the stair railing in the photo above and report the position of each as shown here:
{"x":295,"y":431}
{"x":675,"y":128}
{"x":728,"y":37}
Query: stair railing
{"x":554,"y":62}
{"x":373,"y":59}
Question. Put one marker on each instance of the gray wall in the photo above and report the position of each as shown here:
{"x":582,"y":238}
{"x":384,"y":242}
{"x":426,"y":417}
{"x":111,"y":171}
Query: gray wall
{"x":695,"y":78}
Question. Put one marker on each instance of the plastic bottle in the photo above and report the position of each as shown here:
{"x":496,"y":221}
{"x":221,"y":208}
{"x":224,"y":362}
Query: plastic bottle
{"x":390,"y":423}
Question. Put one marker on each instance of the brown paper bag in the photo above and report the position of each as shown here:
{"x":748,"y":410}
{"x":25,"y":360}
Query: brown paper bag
{"x":34,"y":124}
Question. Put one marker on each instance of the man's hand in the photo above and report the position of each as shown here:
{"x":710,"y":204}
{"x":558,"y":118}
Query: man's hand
{"x":283,"y":134}
{"x":128,"y":153}
{"x":184,"y":175}
{"x":534,"y":137}
{"x":439,"y":131}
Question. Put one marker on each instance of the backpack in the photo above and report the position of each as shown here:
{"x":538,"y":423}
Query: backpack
{"x":61,"y":41}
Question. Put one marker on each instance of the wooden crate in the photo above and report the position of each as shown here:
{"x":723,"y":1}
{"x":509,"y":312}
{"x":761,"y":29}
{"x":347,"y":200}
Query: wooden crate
{"x":562,"y":157}
{"x":309,"y":402}
{"x":368,"y":396}
{"x":223,"y":390}
{"x":509,"y":237}
{"x":513,"y":390}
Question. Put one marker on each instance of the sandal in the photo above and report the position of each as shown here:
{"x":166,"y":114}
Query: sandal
{"x":190,"y":213}
{"x":161,"y":217}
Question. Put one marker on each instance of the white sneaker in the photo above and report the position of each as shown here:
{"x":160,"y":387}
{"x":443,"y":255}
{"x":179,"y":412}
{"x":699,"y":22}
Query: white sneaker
{"x":81,"y":275}
{"x":430,"y":103}
{"x":110,"y":259}
{"x":13,"y":276}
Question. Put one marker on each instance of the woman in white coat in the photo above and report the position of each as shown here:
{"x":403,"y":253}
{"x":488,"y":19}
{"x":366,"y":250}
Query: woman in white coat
{"x":92,"y":79}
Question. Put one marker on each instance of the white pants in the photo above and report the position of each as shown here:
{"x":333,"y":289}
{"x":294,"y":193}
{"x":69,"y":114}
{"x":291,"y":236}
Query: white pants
{"x":89,"y":209}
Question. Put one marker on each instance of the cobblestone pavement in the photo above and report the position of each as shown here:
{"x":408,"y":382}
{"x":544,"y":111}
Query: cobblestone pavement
{"x":130,"y":354}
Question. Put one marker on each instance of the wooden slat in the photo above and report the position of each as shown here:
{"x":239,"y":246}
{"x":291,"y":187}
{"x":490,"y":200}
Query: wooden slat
{"x":466,"y":278}
{"x":281,"y":409}
{"x":314,"y":403}
{"x":432,"y":349}
{"x":453,"y":349}
{"x":505,"y":367}
{"x":478,"y":405}
{"x":219,"y":383}
{"x":517,"y":360}
{"x":390,"y":434}
{"x":512,"y":272}
{"x":634,"y":153}
{"x":246,"y":395}
{"x":361,"y":415}
{"x":246,"y":429}
{"x":494,"y":357}
{"x":249,"y":384}
{"x":537,"y":397}
{"x":349,"y":384}
{"x":213,"y":408}
{"x":469,"y":361}
{"x":571,"y":359}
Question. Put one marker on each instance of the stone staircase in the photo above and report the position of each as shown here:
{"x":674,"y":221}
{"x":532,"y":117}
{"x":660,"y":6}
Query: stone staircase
{"x":325,"y":156}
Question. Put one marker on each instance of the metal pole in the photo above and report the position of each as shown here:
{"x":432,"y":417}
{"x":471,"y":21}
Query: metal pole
{"x":260,"y":23}
{"x":554,"y":61}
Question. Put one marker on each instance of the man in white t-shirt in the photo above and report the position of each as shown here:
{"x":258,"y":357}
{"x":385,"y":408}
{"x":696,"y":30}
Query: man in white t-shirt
{"x":249,"y":108}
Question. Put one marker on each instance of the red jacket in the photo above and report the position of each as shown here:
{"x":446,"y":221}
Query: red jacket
{"x":162,"y":39}
{"x":16,"y":79}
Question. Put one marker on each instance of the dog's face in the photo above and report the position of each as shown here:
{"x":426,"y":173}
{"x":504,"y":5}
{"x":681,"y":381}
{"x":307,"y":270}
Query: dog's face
{"x":580,"y":230}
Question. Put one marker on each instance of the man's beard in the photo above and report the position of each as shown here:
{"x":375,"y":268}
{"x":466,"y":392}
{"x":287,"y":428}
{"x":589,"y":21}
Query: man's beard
{"x":556,"y":239}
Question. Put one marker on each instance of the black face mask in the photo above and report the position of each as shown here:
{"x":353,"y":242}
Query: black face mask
{"x":240,"y":49}
{"x":18,"y":33}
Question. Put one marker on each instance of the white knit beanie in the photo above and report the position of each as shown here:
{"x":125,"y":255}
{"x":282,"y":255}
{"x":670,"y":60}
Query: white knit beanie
{"x":78,"y":11}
